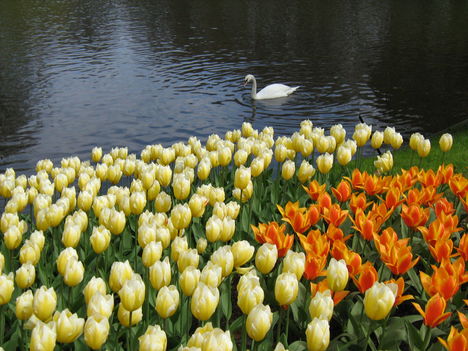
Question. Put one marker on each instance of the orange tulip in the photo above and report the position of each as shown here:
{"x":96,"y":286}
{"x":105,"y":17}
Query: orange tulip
{"x":367,"y":277}
{"x":463,"y":247}
{"x":372,"y":184}
{"x":358,"y":202}
{"x":430,"y":178}
{"x":394,"y":252}
{"x":459,"y":185}
{"x":442,"y":249}
{"x":314,"y":189}
{"x":456,"y":341}
{"x":314,"y":266}
{"x":324,"y":201}
{"x":315,"y":243}
{"x":434,"y":311}
{"x":357,"y":178}
{"x":446,"y":279}
{"x":443,"y":205}
{"x":300,"y":218}
{"x":414,"y":216}
{"x":342,"y":192}
{"x":393,"y":198}
{"x":365,"y":225}
{"x":335,"y":233}
{"x":445,"y":172}
{"x":273,"y":233}
{"x":335,"y":215}
{"x":404,"y":181}
{"x":322,"y":286}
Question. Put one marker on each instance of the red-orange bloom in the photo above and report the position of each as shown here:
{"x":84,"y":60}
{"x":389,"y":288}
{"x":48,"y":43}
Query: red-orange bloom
{"x":400,"y":298}
{"x":359,"y":201}
{"x":441,"y":250}
{"x":443,"y":205}
{"x":342,"y":192}
{"x":335,"y":233}
{"x":459,"y":185}
{"x":440,"y":229}
{"x":314,"y":189}
{"x":463,"y":247}
{"x":446,"y":279}
{"x":335,"y":215}
{"x":414,"y":216}
{"x":394,"y":252}
{"x":372,"y":184}
{"x":430,"y":178}
{"x":324,"y":201}
{"x":365,"y":224}
{"x":273,"y":233}
{"x":314,"y":266}
{"x":434,"y":311}
{"x":367,"y":277}
{"x":357,"y":178}
{"x":317,"y":248}
{"x":405,"y":180}
{"x":393,"y":198}
{"x":323,"y":286}
{"x":445,"y":172}
{"x":456,"y":340}
{"x":300,"y":218}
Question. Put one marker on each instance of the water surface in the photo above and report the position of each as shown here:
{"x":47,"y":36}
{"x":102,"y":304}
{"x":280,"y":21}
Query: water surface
{"x":75,"y":74}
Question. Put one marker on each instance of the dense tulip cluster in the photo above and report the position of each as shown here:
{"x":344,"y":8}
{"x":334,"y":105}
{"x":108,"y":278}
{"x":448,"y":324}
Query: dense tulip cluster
{"x":201,"y":247}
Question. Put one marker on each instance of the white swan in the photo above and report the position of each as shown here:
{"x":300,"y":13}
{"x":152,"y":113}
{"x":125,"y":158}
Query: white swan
{"x":271,"y":91}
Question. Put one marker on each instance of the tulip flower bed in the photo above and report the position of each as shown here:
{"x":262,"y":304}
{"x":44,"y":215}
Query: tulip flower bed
{"x":210,"y":247}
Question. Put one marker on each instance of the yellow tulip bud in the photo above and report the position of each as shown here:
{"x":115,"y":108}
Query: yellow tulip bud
{"x":151,"y":253}
{"x":44,"y":303}
{"x":94,"y":285}
{"x":338,"y":132}
{"x":132,"y":293}
{"x":24,"y":305}
{"x":337,"y":275}
{"x":164,"y":175}
{"x":7,"y":220}
{"x":43,"y":337}
{"x":257,"y":166}
{"x":242,"y":252}
{"x":85,"y":200}
{"x":100,"y":239}
{"x":100,"y":305}
{"x":64,"y":256}
{"x":379,"y":300}
{"x":29,"y":253}
{"x":361,"y":137}
{"x":96,"y":154}
{"x":69,"y":326}
{"x":114,"y":173}
{"x":137,"y":202}
{"x":240,"y":157}
{"x":6,"y":288}
{"x":265,"y":258}
{"x":318,"y":335}
{"x":211,"y":274}
{"x":167,"y":301}
{"x":25,"y":276}
{"x":294,"y":262}
{"x":259,"y":322}
{"x":165,"y":234}
{"x":445,"y":142}
{"x":228,"y":229}
{"x":286,"y":288}
{"x":96,"y":331}
{"x":71,"y":235}
{"x":287,"y":170}
{"x":146,"y":234}
{"x":224,"y":258}
{"x":197,"y":205}
{"x":124,"y":316}
{"x":163,"y":202}
{"x":325,"y":163}
{"x":189,"y":279}
{"x":217,"y":340}
{"x":116,"y":222}
{"x":396,"y":141}
{"x":12,"y":237}
{"x":181,"y":186}
{"x":249,"y":296}
{"x":322,"y":144}
{"x":306,"y":171}
{"x":224,"y":156}
{"x":188,"y":258}
{"x":154,"y":339}
{"x":388,"y":135}
{"x":424,"y":147}
{"x":120,"y":272}
{"x":153,"y":190}
{"x":377,"y":139}
{"x":204,"y":301}
{"x":321,"y":306}
{"x":384,"y":163}
{"x":242,"y":177}
{"x":181,"y":216}
{"x":74,"y":271}
{"x":201,"y":245}
{"x":414,"y":140}
{"x":160,"y":274}
{"x":213,"y":228}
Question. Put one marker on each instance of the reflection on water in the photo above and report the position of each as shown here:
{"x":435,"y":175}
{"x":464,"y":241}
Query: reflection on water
{"x":78,"y":74}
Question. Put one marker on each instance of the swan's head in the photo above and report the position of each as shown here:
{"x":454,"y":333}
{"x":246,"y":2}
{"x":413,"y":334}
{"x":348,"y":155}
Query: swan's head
{"x":248,"y":78}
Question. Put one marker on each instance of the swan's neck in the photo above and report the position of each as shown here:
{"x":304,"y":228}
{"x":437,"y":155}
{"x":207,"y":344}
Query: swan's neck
{"x":254,"y":89}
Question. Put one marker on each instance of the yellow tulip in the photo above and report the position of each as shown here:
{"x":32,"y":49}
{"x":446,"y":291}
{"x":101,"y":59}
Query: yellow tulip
{"x":120,"y":272}
{"x":151,"y":253}
{"x":24,"y":305}
{"x":377,"y":139}
{"x":424,"y":147}
{"x":100,"y":239}
{"x":25,"y":276}
{"x":181,"y":216}
{"x":259,"y":322}
{"x":163,"y":202}
{"x":338,"y":132}
{"x":224,"y":258}
{"x":44,"y":303}
{"x":213,"y":228}
{"x":74,"y":272}
{"x":154,"y":339}
{"x":95,"y":284}
{"x":100,"y":304}
{"x":167,"y":301}
{"x":211,"y":275}
{"x":30,"y":252}
{"x":249,"y":296}
{"x":286,"y":288}
{"x":124,"y":316}
{"x":266,"y":257}
{"x":445,"y":142}
{"x":240,"y":157}
{"x":242,"y":252}
{"x":96,"y":331}
{"x":188,"y":258}
{"x":160,"y":274}
{"x":132,"y":293}
{"x":305,"y":172}
{"x":201,"y":245}
{"x":294,"y":262}
{"x":288,"y":169}
{"x":69,"y":326}
{"x":43,"y":337}
{"x":321,"y":306}
{"x":12,"y":237}
{"x":337,"y":275}
{"x":6,"y":288}
{"x":189,"y":279}
{"x":324,"y":163}
{"x":242,"y":177}
{"x":318,"y":335}
{"x":204,"y":301}
{"x":379,"y":300}
{"x":96,"y":154}
{"x":63,"y":258}
{"x":181,"y":186}
{"x":197,"y":204}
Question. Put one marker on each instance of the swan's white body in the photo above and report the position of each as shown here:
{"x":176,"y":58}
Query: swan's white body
{"x":271,"y":91}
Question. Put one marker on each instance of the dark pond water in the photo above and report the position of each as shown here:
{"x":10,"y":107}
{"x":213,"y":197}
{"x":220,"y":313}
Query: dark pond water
{"x":75,"y":74}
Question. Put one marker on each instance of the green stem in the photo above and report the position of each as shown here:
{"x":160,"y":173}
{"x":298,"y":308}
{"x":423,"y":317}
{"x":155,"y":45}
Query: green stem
{"x":129,"y":344}
{"x":427,"y":338}
{"x":287,"y":325}
{"x":244,"y":334}
{"x":2,"y":325}
{"x":279,"y":324}
{"x":369,"y":332}
{"x":147,"y":287}
{"x":252,"y":347}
